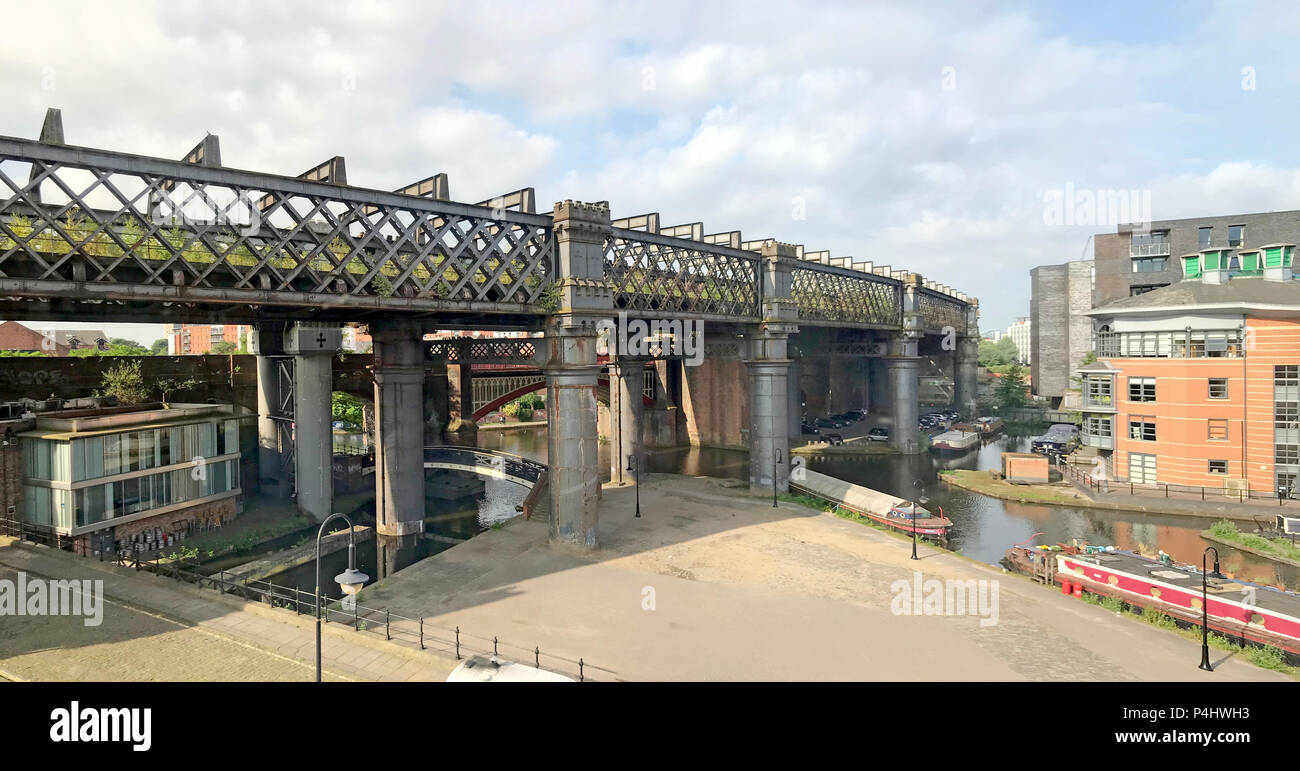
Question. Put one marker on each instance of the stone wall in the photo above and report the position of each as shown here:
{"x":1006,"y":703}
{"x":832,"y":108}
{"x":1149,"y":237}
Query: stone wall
{"x":715,"y":403}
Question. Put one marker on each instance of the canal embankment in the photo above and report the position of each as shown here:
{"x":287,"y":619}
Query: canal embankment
{"x":1067,"y":494}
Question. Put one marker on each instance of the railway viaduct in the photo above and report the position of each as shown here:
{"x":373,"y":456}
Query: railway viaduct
{"x":90,"y":234}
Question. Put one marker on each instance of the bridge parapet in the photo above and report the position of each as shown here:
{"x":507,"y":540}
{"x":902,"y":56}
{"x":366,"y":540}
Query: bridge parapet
{"x":126,"y":228}
{"x":653,"y":274}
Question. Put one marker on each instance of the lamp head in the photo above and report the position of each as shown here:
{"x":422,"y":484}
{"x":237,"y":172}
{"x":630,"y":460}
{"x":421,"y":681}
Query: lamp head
{"x":351,"y":580}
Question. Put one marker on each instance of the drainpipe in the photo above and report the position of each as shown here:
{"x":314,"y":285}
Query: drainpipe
{"x":1245,"y":395}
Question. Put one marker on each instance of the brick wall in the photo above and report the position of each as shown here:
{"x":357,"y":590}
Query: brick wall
{"x":11,"y":481}
{"x":174,"y":523}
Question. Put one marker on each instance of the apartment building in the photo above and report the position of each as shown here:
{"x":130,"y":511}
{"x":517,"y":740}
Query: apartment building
{"x":1021,"y":333}
{"x":1060,"y":335}
{"x":131,"y":478}
{"x":1198,"y":383}
{"x":187,"y":339}
{"x":1137,"y":259}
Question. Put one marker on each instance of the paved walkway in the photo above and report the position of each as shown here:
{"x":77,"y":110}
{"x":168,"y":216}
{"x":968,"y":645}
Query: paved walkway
{"x":714,"y":584}
{"x":156,"y":629}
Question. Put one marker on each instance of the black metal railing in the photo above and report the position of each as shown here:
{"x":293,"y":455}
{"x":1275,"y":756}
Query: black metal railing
{"x":408,"y":630}
{"x":1083,"y":476}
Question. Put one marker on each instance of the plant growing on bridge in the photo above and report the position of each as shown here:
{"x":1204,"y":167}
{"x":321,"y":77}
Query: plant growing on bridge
{"x":167,"y":386}
{"x":124,"y":383}
{"x":549,"y":300}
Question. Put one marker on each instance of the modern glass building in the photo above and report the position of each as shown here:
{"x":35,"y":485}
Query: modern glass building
{"x":90,"y":470}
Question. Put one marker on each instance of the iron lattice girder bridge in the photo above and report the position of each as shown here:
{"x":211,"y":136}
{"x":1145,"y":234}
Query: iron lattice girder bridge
{"x":93,"y":232}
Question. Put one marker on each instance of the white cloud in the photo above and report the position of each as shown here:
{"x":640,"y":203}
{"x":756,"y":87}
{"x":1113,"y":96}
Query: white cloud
{"x":747,"y":106}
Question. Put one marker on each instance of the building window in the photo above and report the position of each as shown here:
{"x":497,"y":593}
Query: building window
{"x":1143,"y":429}
{"x":1204,"y":236}
{"x":1142,"y":389}
{"x":1218,"y":388}
{"x":1286,"y":375}
{"x":1218,"y":467}
{"x":1149,"y":244}
{"x":1218,"y":429}
{"x":1286,"y":454}
{"x":1136,"y":290}
{"x":1095,"y":426}
{"x":1099,"y":391}
{"x":1236,"y":235}
{"x":1286,"y":415}
{"x":1150,"y":264}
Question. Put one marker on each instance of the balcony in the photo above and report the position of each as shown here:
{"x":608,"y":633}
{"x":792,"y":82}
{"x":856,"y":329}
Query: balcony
{"x":1149,"y":245}
{"x":1201,"y":344}
{"x":1099,"y":441}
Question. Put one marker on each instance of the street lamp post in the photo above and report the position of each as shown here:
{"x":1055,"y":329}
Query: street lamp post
{"x":350,"y":580}
{"x":776,"y":462}
{"x":631,"y":461}
{"x":1205,"y":607}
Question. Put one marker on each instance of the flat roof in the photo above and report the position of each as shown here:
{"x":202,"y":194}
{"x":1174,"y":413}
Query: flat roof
{"x":1237,"y":294}
{"x":81,"y":426}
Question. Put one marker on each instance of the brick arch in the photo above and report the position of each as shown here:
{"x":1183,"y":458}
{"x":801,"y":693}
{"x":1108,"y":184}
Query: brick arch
{"x":483,"y":412}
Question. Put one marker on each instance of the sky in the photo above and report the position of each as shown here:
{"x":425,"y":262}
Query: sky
{"x":945,"y":138}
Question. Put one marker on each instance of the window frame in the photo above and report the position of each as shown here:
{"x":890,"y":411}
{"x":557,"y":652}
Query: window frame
{"x":1211,"y":423}
{"x":1209,"y":388}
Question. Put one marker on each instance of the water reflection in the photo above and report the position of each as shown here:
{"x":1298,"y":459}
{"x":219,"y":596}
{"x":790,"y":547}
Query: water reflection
{"x":983,"y":527}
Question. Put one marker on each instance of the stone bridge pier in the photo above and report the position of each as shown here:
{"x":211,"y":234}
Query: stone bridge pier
{"x":399,"y":372}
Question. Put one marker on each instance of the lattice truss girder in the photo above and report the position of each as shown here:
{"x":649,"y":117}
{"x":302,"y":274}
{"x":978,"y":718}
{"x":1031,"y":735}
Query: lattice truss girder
{"x":686,"y":278}
{"x":938,"y":312}
{"x":824,"y":295}
{"x":499,"y":351}
{"x":141,"y":222}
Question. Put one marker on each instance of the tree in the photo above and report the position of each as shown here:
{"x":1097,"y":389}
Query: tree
{"x":347,"y":409}
{"x":114,"y":349}
{"x":224,"y":348}
{"x":1007,"y":350}
{"x":1010,"y":391}
{"x":124,"y":383}
{"x":167,"y":386}
{"x":159,"y":347}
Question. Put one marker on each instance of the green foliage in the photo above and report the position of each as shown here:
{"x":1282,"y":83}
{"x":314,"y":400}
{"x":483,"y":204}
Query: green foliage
{"x":347,"y":409}
{"x":224,"y":348}
{"x":1268,"y":657}
{"x":124,"y":383}
{"x":382,"y":286}
{"x":167,"y":386}
{"x":549,"y":300}
{"x":15,"y":354}
{"x":1226,"y":531}
{"x":1088,"y":358}
{"x":114,"y":349}
{"x":159,"y":347}
{"x":1010,"y":391}
{"x":998,"y":354}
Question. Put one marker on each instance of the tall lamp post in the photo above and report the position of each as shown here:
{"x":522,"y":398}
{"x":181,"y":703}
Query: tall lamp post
{"x":1205,"y":607}
{"x":920,"y":498}
{"x":350,"y":580}
{"x":632,"y":461}
{"x":776,"y":462}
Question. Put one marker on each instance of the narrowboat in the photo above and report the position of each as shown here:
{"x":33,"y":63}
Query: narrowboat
{"x":955,"y":441}
{"x":1240,"y":609}
{"x":907,"y":516}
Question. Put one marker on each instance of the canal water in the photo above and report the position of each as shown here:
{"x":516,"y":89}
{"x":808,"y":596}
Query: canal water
{"x":983,"y":527}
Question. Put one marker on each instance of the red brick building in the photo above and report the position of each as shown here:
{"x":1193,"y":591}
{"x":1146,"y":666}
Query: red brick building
{"x":1198,"y":383}
{"x":51,"y":342}
{"x":194,"y":339}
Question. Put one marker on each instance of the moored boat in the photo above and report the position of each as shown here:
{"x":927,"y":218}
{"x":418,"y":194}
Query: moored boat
{"x":982,"y":426}
{"x":907,"y":516}
{"x":1240,"y":609}
{"x":955,"y":441}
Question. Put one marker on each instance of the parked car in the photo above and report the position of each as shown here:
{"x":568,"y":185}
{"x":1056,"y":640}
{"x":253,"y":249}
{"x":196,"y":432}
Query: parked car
{"x":804,"y":428}
{"x":833,"y":439}
{"x":878,"y":434}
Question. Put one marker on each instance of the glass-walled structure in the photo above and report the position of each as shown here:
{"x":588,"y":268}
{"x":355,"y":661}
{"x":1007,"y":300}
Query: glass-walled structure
{"x":88,"y":472}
